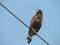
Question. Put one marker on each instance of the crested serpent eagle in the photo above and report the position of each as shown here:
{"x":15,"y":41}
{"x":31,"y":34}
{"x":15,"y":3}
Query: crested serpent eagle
{"x":35,"y":25}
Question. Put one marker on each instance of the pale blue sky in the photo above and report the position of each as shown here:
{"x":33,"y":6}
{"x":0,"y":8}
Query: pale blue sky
{"x":12,"y":32}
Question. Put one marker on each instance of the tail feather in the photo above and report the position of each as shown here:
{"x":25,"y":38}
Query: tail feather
{"x":29,"y":38}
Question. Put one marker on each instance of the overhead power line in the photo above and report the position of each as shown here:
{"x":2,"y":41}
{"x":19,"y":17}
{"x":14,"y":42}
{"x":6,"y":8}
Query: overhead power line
{"x":22,"y":22}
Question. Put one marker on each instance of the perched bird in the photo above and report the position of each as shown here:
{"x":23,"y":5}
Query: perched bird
{"x":35,"y":25}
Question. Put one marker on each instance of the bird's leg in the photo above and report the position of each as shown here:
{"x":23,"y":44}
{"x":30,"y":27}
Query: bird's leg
{"x":34,"y":31}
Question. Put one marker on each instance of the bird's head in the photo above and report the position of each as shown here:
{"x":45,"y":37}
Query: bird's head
{"x":38,"y":11}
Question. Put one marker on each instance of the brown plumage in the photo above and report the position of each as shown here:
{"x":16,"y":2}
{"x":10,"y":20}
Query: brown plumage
{"x":35,"y":25}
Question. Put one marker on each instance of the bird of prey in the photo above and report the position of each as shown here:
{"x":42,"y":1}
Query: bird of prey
{"x":35,"y":25}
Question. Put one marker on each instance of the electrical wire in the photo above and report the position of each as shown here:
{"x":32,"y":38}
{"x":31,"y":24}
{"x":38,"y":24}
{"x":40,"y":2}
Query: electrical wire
{"x":22,"y":22}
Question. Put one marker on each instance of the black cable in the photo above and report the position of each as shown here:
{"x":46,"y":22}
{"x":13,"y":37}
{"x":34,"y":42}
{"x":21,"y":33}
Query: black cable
{"x":13,"y":15}
{"x":42,"y":39}
{"x":22,"y":22}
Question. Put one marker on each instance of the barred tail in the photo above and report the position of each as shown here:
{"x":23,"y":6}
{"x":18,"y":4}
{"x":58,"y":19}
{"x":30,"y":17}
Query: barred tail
{"x":29,"y":38}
